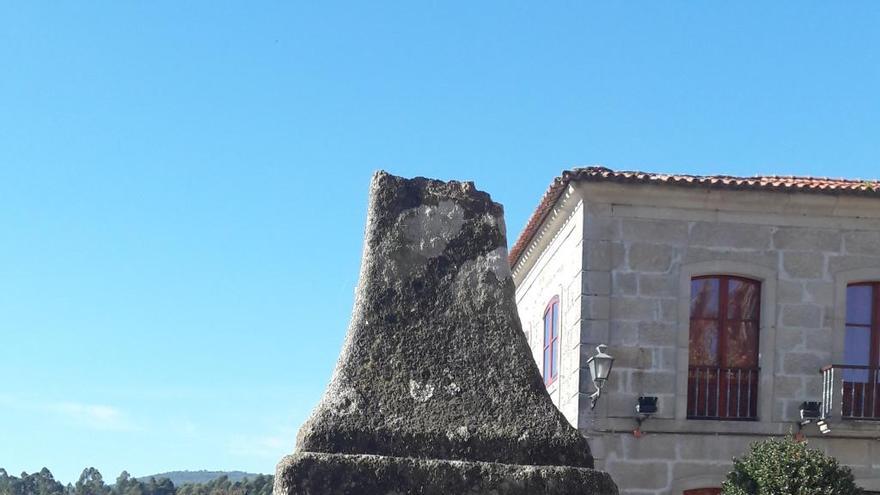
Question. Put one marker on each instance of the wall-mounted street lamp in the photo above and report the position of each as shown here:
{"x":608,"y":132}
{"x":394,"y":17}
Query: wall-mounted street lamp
{"x":600,"y":367}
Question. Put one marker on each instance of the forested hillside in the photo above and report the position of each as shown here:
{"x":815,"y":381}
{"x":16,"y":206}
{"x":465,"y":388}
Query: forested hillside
{"x":92,"y":483}
{"x":183,"y":477}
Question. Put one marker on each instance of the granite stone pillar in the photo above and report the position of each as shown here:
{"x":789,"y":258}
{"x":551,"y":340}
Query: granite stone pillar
{"x":435,"y":390}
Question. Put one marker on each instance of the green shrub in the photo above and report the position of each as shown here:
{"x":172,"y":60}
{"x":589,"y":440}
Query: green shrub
{"x":786,"y":467}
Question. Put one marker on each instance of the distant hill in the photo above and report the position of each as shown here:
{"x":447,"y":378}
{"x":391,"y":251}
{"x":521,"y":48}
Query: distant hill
{"x":183,"y":477}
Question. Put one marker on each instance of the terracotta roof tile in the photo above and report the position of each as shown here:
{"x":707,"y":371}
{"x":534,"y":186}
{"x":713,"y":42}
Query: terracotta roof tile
{"x":773,"y":183}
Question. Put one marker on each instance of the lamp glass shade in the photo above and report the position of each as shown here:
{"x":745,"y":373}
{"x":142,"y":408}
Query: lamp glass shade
{"x":600,"y":366}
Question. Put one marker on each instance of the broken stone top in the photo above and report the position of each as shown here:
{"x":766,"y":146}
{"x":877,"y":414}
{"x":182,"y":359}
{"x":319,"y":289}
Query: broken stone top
{"x":435,"y":363}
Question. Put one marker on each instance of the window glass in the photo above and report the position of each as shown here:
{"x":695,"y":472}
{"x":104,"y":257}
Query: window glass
{"x":743,"y":299}
{"x":704,"y":298}
{"x":547,"y":329}
{"x":546,"y":364}
{"x":858,"y":304}
{"x":551,"y":341}
{"x":704,"y":343}
{"x":857,"y":352}
{"x":742,"y":344}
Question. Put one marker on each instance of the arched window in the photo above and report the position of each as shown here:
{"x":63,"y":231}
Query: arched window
{"x":861,"y":352}
{"x":551,"y":341}
{"x":723,"y":348}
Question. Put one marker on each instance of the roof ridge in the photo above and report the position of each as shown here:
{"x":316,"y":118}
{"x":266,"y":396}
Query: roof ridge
{"x":606,"y":170}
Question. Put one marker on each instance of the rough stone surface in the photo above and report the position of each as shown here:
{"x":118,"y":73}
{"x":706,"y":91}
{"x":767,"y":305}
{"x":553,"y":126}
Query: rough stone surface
{"x":435,"y":367}
{"x":344,"y":474}
{"x":647,"y":257}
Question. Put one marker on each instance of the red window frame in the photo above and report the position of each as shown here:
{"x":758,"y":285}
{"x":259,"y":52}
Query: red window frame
{"x":550,"y":363}
{"x":720,"y":391}
{"x":861,"y":383}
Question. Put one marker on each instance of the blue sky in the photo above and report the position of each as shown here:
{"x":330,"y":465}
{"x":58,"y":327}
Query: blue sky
{"x":184,"y":183}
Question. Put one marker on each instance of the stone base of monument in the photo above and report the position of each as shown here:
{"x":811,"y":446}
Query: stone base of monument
{"x":309,"y":473}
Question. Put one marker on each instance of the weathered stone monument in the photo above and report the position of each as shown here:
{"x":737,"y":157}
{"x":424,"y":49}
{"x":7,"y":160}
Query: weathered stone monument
{"x":435,"y":391}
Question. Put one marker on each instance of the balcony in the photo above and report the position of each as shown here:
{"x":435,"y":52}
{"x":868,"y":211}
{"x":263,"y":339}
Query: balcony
{"x":729,"y":394}
{"x":851,"y":392}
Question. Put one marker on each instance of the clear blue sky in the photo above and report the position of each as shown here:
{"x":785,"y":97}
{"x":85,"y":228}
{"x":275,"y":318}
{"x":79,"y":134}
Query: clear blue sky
{"x":183,"y":184}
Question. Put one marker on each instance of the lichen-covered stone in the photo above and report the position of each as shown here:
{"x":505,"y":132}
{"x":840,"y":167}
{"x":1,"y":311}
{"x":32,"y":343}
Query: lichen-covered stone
{"x":435,"y":366}
{"x":347,"y":474}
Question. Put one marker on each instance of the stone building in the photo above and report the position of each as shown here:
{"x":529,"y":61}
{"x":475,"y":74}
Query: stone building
{"x":731,"y":300}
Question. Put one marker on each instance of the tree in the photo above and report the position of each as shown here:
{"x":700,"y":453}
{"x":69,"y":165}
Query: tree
{"x":9,"y":485}
{"x":162,"y":486}
{"x":91,"y":483}
{"x":45,"y":484}
{"x":123,"y":482}
{"x":41,"y":483}
{"x":786,"y":467}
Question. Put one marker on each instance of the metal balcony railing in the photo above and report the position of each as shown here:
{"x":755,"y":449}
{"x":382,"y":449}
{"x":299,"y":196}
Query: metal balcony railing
{"x":851,"y":392}
{"x":723,"y":393}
